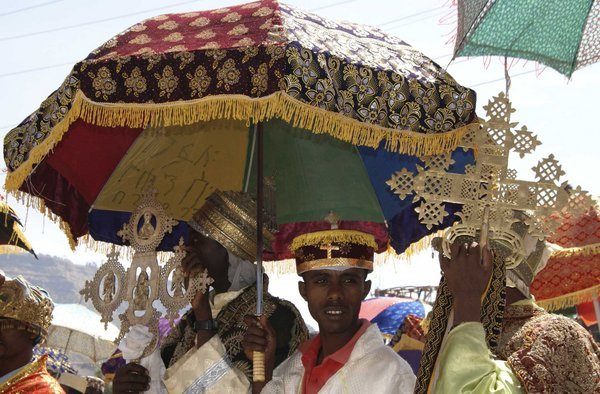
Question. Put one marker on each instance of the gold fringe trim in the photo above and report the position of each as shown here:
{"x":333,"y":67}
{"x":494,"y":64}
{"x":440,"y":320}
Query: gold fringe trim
{"x":330,"y":236}
{"x":238,"y":107}
{"x":40,"y":205}
{"x":577,"y":251}
{"x":568,"y":300}
{"x":414,"y":248}
{"x":126,"y":252}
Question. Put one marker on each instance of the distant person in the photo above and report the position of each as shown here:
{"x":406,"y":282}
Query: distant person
{"x":25,"y":315}
{"x":348,"y":354}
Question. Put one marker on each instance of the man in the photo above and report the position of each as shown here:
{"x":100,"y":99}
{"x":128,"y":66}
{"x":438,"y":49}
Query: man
{"x":25,"y":315}
{"x":538,"y":352}
{"x":349,"y":354}
{"x":204,"y":352}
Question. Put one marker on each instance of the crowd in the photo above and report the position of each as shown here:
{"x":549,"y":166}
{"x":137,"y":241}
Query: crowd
{"x":211,"y":349}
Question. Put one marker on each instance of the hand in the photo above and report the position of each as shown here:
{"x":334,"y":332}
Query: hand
{"x":131,"y":378}
{"x":260,"y":337}
{"x":191,"y":265}
{"x":467,"y":276}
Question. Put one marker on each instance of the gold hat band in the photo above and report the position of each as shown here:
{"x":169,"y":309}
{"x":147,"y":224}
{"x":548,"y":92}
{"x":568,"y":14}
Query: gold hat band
{"x":334,"y":262}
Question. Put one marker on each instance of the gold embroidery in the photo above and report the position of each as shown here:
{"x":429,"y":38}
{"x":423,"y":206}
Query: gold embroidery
{"x":160,"y":18}
{"x":103,"y":83}
{"x":138,"y":28}
{"x":245,"y":42}
{"x":167,"y":82}
{"x":135,"y":83}
{"x":185,"y":58}
{"x":206,"y":34}
{"x":263,"y":11}
{"x":233,"y":17}
{"x":267,"y":25}
{"x":174,"y":37}
{"x":211,"y":45}
{"x":251,"y":5}
{"x":334,"y":262}
{"x":220,"y":11}
{"x":259,"y":79}
{"x":190,"y":15}
{"x":168,"y":25}
{"x":200,"y":22}
{"x":199,"y":82}
{"x":238,"y":30}
{"x":228,"y":75}
{"x":141,"y":39}
{"x":143,"y":51}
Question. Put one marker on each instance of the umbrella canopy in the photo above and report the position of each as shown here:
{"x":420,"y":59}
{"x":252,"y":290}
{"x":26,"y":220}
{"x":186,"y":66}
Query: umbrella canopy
{"x":168,"y":102}
{"x":389,"y":312}
{"x":562,"y":35}
{"x":572,"y":274}
{"x":77,"y":329}
{"x":12,"y":239}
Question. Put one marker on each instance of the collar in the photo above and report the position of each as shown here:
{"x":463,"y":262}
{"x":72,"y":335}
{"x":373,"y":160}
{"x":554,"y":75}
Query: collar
{"x":310,"y":349}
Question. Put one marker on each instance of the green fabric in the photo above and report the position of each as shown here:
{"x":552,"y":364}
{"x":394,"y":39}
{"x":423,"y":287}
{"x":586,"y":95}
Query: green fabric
{"x":547,"y":31}
{"x":467,"y":366}
{"x":315,"y":174}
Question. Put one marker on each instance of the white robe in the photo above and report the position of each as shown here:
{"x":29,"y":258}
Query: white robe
{"x":207,"y":369}
{"x":372,"y":367}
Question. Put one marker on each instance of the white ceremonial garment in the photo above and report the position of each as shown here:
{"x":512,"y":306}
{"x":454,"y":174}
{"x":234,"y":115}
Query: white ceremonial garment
{"x":372,"y":367}
{"x":207,"y":369}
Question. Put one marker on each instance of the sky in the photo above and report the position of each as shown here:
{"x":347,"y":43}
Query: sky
{"x":41,"y":40}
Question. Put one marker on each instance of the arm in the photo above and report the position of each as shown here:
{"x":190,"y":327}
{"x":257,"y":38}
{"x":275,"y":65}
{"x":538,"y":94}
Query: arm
{"x":465,"y":363}
{"x":467,"y":366}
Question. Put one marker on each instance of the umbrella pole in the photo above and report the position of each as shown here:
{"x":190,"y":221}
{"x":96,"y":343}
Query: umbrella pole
{"x":258,"y":358}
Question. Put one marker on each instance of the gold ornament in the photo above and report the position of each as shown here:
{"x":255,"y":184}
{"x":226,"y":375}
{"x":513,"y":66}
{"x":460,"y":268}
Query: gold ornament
{"x":145,"y":281}
{"x":490,"y":184}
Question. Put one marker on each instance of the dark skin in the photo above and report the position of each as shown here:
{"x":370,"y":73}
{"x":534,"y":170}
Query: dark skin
{"x":16,"y":346}
{"x":467,"y":273}
{"x":334,"y":299}
{"x":202,"y":253}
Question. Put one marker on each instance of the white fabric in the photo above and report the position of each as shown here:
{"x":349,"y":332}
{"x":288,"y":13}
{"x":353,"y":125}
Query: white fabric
{"x":205,"y":370}
{"x":132,"y":347}
{"x":78,"y":383}
{"x":371,"y":368}
{"x":241,"y":273}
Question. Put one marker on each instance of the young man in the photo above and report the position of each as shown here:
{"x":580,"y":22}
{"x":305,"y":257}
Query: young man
{"x":25,"y":315}
{"x":349,"y":354}
{"x":538,"y":352}
{"x":204,"y":352}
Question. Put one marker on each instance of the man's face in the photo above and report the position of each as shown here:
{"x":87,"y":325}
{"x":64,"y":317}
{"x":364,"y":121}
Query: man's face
{"x":213,"y":256}
{"x":334,"y":297}
{"x":14,"y":342}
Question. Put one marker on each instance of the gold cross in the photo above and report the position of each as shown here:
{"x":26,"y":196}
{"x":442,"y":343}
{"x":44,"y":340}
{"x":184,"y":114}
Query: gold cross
{"x":329,"y":247}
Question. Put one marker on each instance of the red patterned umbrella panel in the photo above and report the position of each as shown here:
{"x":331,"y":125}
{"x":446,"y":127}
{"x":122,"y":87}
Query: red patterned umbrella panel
{"x":572,"y":274}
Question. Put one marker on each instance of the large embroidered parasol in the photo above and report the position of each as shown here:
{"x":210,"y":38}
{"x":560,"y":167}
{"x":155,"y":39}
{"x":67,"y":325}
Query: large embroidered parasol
{"x":562,"y":35}
{"x":170,"y":104}
{"x":572,"y":274}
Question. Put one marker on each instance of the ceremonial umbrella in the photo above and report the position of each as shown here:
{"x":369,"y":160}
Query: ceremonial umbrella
{"x":168,"y":104}
{"x":391,"y":317}
{"x":572,"y":274}
{"x":12,"y":239}
{"x":75,"y":329}
{"x":563,"y":35}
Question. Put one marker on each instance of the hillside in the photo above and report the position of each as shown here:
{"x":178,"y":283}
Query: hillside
{"x":60,"y":277}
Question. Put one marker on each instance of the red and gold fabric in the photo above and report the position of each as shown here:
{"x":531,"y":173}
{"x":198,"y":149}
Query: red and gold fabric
{"x":32,"y":379}
{"x":572,"y":274}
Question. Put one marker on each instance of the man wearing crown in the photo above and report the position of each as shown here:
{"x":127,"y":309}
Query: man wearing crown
{"x":25,"y":315}
{"x":349,"y":354}
{"x":537,"y":352}
{"x":204,"y":352}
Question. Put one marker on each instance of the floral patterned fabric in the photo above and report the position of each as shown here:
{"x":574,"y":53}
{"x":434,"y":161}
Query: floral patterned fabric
{"x":549,"y":353}
{"x":253,"y":50}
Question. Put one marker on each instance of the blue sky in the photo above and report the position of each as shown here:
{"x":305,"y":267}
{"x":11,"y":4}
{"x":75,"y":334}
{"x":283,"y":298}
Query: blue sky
{"x":41,"y":42}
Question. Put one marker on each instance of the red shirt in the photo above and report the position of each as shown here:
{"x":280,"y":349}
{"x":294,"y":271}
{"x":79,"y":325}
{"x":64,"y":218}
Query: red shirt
{"x":315,"y":376}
